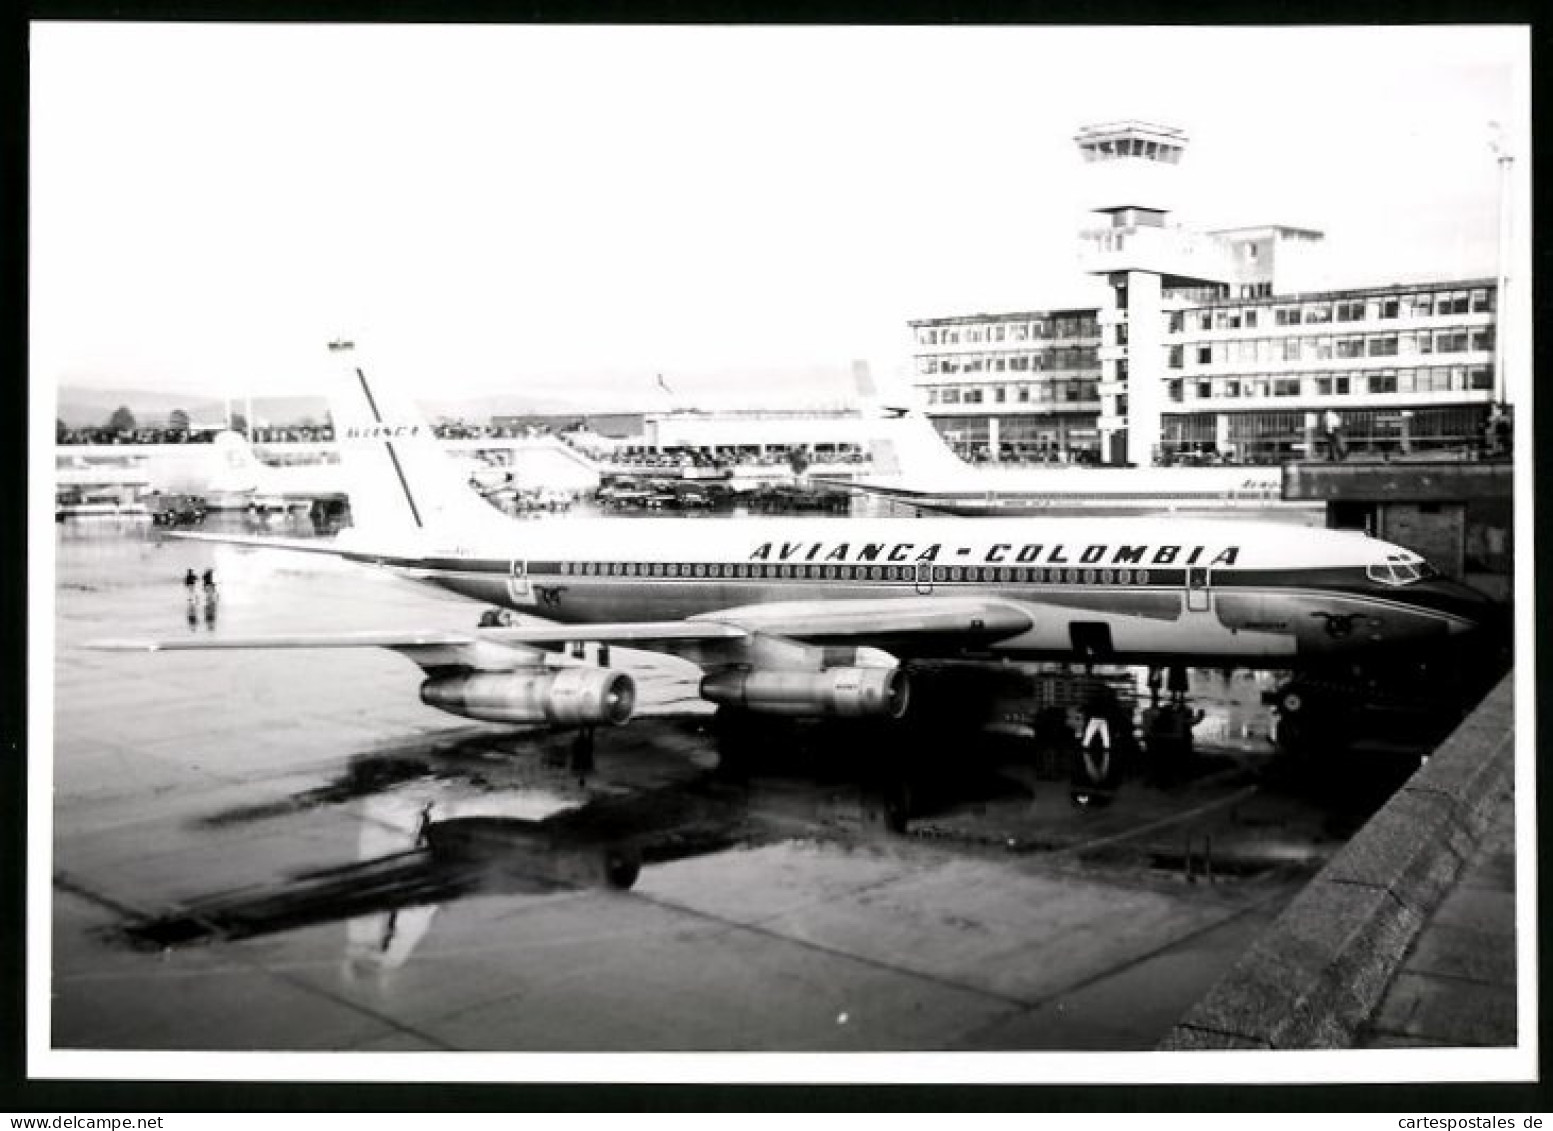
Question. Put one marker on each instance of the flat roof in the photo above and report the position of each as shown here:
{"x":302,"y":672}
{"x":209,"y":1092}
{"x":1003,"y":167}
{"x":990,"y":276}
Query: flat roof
{"x":1270,"y":229}
{"x":1005,"y":316}
{"x":1260,"y":300}
{"x":1350,"y":292}
{"x":1130,"y":127}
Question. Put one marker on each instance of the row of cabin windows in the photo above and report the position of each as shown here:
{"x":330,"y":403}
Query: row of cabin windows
{"x":787,"y":571}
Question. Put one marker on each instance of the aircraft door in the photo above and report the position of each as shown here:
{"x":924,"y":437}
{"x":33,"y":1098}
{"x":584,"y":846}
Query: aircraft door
{"x":518,"y":588}
{"x":924,"y":578}
{"x":1199,"y":589}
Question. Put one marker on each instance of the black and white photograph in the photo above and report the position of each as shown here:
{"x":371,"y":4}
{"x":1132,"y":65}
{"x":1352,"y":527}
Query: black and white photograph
{"x":768,"y":554}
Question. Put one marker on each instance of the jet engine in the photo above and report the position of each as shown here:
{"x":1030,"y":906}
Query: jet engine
{"x":576,"y":695}
{"x":842,"y":692}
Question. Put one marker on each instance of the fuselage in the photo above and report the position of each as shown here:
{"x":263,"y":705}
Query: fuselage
{"x":1206,"y":492}
{"x":1118,"y":590}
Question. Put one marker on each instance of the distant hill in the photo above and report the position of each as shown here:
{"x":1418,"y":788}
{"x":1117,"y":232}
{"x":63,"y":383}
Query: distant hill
{"x":86,"y":408}
{"x":791,"y":387}
{"x":91,"y":408}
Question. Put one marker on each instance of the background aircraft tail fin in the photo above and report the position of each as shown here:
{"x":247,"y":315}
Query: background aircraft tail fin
{"x":901,"y":439}
{"x":237,"y":468}
{"x":400,"y":480}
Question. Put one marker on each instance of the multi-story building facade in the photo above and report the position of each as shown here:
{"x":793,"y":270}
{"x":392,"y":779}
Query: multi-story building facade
{"x":1022,"y":386}
{"x":1405,"y":367}
{"x":1209,"y":345}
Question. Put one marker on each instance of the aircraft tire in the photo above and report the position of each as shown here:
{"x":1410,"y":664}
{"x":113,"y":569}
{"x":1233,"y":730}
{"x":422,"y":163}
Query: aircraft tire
{"x":887,"y":806}
{"x":621,"y":868}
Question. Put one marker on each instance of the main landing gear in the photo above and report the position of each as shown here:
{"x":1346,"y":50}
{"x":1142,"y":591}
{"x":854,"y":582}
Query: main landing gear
{"x":1167,"y":727}
{"x":1310,"y":718}
{"x":1107,"y":741}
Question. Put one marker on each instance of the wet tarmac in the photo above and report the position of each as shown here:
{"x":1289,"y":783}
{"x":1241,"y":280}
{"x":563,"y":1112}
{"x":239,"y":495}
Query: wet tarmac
{"x":288,"y":851}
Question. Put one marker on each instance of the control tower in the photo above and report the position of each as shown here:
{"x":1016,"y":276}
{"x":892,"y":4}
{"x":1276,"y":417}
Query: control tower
{"x":1151,"y":265}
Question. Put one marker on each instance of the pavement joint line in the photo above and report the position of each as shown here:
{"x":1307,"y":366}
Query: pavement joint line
{"x":1138,"y":960}
{"x":1224,"y":893}
{"x":1200,"y":1028}
{"x":1154,"y":826}
{"x":1384,"y":889}
{"x":68,"y":883}
{"x":760,"y":928}
{"x":1450,"y":977}
{"x":1234,"y":914}
{"x":307,"y":987}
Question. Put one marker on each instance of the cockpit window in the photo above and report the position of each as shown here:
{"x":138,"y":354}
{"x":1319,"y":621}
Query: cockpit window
{"x":1399,"y":570}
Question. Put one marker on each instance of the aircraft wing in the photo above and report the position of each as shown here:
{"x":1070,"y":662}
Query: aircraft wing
{"x":890,"y":617}
{"x":265,"y":542}
{"x":712,"y":638}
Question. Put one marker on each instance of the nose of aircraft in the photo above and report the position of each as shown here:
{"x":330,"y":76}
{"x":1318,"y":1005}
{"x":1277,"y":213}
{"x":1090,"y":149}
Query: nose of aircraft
{"x":1468,"y":609}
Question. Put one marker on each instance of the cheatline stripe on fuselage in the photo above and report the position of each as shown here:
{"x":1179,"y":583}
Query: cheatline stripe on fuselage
{"x":1319,"y":582}
{"x":1008,"y":495}
{"x":681,"y":571}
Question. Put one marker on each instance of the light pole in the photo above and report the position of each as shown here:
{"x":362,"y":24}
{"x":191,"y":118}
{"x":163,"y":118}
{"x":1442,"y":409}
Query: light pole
{"x":1500,"y":144}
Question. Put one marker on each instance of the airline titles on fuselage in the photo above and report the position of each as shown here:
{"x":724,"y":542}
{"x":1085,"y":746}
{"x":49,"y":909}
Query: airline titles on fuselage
{"x":381,"y":431}
{"x":1055,"y":553}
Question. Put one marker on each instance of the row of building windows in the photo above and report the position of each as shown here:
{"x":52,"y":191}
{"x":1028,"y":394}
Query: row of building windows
{"x":1327,"y":347}
{"x":1034,"y":437}
{"x":761,"y":571}
{"x":1271,"y":435}
{"x":1418,"y":304}
{"x":1024,"y":329}
{"x":1044,"y":361}
{"x":1429,"y":379}
{"x":1071,"y":391}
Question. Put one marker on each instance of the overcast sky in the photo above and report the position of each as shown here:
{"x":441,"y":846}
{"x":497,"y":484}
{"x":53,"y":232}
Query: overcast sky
{"x":573,"y":210}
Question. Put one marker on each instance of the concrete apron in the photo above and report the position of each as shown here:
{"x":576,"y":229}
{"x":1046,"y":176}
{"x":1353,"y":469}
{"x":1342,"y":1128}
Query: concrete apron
{"x":1321,"y":969}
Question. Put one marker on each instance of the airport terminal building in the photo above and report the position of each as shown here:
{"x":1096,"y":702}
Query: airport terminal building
{"x":1210,"y":345}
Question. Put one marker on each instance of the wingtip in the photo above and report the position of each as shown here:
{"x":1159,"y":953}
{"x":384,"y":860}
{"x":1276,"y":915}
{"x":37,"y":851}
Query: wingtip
{"x":124,"y":645}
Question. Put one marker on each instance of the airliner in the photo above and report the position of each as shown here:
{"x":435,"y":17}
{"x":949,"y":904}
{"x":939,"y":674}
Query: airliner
{"x":246,"y":481}
{"x":242,"y":480}
{"x":913,"y":465}
{"x":820,"y":617}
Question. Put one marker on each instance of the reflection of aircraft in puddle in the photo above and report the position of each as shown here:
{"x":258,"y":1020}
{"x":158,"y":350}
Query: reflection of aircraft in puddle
{"x":429,"y":842}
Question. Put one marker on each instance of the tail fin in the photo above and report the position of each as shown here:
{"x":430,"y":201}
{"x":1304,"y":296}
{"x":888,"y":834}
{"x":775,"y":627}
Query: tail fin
{"x":237,"y":468}
{"x":902,"y":442}
{"x":401,"y":481}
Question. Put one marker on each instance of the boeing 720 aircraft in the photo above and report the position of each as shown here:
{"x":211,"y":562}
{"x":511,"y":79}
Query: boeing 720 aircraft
{"x":820,"y":616}
{"x":244,"y":480}
{"x":913,"y":465}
